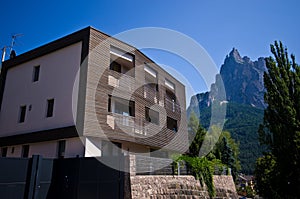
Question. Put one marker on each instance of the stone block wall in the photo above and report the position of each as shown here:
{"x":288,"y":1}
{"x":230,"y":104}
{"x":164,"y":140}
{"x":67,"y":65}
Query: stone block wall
{"x":173,"y":186}
{"x":166,"y":187}
{"x":225,"y":187}
{"x":179,"y":187}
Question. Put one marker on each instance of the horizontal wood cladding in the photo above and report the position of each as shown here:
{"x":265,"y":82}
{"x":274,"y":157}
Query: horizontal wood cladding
{"x":101,"y":123}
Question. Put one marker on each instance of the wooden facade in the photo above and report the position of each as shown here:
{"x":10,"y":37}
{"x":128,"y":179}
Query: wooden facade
{"x":98,"y":84}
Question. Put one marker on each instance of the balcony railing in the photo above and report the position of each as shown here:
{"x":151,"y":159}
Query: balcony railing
{"x":122,"y":81}
{"x":172,"y":105}
{"x":132,"y":125}
{"x":150,"y":92}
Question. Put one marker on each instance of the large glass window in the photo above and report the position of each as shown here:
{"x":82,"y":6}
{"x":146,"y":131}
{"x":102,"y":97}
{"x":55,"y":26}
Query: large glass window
{"x":121,"y":106}
{"x":172,"y":124}
{"x":151,"y":116}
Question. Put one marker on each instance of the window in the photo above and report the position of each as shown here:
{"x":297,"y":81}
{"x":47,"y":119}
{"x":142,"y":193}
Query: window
{"x":150,"y":78}
{"x":169,"y":84}
{"x":3,"y":151}
{"x":36,"y":73}
{"x":22,"y":114}
{"x":25,"y":151}
{"x":151,"y":116}
{"x":121,"y":106}
{"x":61,"y":149}
{"x":121,"y":62}
{"x":172,"y":124}
{"x":115,"y":66}
{"x":50,"y":107}
{"x":170,"y":95}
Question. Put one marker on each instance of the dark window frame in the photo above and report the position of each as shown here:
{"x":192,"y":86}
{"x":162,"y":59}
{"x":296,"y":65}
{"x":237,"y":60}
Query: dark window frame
{"x":116,"y":62}
{"x":22,"y":114}
{"x":61,"y":148}
{"x":36,"y":73}
{"x":131,"y":103}
{"x":148,"y":83}
{"x":170,"y":95}
{"x":50,"y":108}
{"x":25,"y":151}
{"x":115,"y":66}
{"x":170,"y":124}
{"x":148,"y":118}
{"x":4,"y":152}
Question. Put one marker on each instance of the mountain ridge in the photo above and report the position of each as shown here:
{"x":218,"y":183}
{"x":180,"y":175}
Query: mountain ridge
{"x":243,"y":83}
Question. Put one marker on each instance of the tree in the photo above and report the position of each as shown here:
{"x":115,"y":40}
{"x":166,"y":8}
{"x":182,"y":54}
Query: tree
{"x":197,"y":134}
{"x":227,"y":150}
{"x":265,"y":170}
{"x":203,"y":170}
{"x":203,"y":165}
{"x":280,"y":130}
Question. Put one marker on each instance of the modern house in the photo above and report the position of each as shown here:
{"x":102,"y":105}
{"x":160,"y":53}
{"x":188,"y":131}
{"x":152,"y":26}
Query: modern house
{"x":89,"y":94}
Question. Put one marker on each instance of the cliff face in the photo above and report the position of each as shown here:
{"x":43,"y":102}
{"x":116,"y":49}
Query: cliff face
{"x":243,"y":83}
{"x":243,"y":79}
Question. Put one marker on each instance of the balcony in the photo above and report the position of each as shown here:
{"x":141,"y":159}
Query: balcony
{"x":122,"y":61}
{"x":121,"y":81}
{"x":125,"y":123}
{"x":151,"y":93}
{"x":131,"y":125}
{"x":171,"y":105}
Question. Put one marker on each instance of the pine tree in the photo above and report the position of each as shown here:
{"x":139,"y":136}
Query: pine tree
{"x":227,"y":150}
{"x":197,"y":134}
{"x":280,"y":130}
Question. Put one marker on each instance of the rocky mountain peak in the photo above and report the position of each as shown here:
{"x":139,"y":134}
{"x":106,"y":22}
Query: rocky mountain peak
{"x":243,"y":79}
{"x":243,"y":82}
{"x":234,"y":56}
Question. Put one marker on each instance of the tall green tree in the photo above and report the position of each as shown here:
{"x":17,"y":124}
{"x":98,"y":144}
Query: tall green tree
{"x":227,"y":150}
{"x":197,"y":134}
{"x":264,"y":173}
{"x":280,"y":130}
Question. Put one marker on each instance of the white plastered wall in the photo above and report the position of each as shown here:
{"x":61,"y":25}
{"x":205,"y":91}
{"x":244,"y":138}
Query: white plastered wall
{"x":56,"y":80}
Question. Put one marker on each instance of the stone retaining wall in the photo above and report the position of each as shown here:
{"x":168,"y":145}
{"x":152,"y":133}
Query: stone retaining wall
{"x":225,"y":187}
{"x":171,"y":186}
{"x":179,"y":187}
{"x":166,"y":187}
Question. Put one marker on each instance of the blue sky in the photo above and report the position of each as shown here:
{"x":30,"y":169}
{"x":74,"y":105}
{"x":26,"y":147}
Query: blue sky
{"x":217,"y":25}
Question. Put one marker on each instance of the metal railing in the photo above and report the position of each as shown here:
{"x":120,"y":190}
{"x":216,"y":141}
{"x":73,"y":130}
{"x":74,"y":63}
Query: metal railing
{"x":172,"y":105}
{"x":146,"y":165}
{"x":132,"y":125}
{"x":124,"y":82}
{"x":150,"y":92}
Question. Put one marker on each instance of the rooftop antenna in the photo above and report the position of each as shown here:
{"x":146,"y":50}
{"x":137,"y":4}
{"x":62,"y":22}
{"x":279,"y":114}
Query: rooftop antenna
{"x":12,"y":53}
{"x":13,"y":42}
